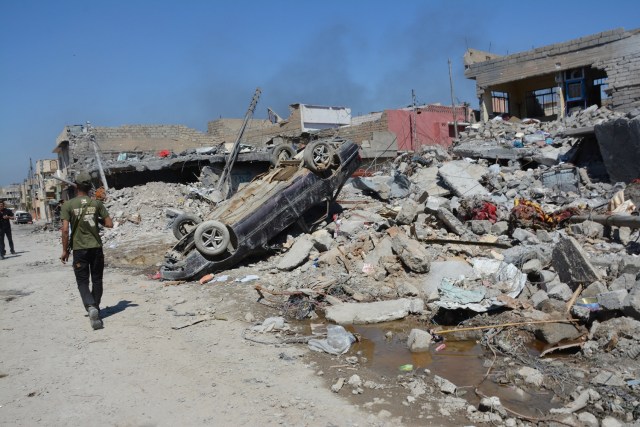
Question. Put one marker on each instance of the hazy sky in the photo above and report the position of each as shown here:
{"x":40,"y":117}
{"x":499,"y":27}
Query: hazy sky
{"x":188,"y":62}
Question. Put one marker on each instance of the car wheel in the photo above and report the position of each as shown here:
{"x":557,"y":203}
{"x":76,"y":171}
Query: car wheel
{"x":212,"y":238}
{"x":318,"y":156}
{"x":183,"y":225}
{"x":282,"y":152}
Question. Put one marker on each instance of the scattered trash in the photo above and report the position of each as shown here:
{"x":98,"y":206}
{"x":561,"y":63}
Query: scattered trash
{"x":406,"y":368}
{"x":338,"y":341}
{"x":248,"y":278}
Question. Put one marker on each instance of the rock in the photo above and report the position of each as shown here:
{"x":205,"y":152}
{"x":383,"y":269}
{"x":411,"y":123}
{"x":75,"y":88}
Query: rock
{"x":532,"y":266}
{"x":492,"y":404}
{"x":589,"y":229}
{"x":594,"y":289}
{"x":544,"y":236}
{"x":524,"y":236}
{"x":383,"y":248}
{"x":608,"y":378}
{"x":406,"y":289}
{"x":629,"y":264}
{"x":619,"y":143}
{"x":338,"y":385}
{"x":531,"y":376}
{"x":553,"y":333}
{"x":588,"y":420}
{"x":330,"y":257}
{"x":408,"y":212}
{"x":450,"y":221}
{"x":373,"y":312}
{"x":499,"y":228}
{"x":613,"y":300}
{"x":631,"y":303}
{"x":572,"y":264}
{"x":350,"y":228}
{"x":610,"y":422}
{"x":480,"y":227}
{"x":622,"y":235}
{"x":419,"y":340}
{"x":538,"y":298}
{"x":355,"y":381}
{"x":580,"y":312}
{"x":434,"y":203}
{"x":297,"y":255}
{"x":411,"y":253}
{"x":626,"y":281}
{"x":560,"y":291}
{"x":444,"y":385}
{"x":322,"y":240}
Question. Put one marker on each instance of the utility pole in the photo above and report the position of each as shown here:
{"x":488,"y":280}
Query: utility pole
{"x":226,"y":172}
{"x":414,"y":131}
{"x":453,"y":104}
{"x":44,"y":192}
{"x":31,"y":187}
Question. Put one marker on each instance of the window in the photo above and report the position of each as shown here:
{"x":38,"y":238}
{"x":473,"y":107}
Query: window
{"x":500,"y":101}
{"x":603,"y":85}
{"x":542,"y":102}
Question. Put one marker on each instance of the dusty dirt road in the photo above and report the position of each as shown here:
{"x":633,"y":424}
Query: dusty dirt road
{"x":139,"y":371}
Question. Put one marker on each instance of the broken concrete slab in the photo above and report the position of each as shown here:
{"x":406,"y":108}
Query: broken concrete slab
{"x":631,"y":304}
{"x":450,"y":221}
{"x":480,"y":227}
{"x":608,"y":378}
{"x":408,"y":212}
{"x":445,"y":386}
{"x":572,"y":264}
{"x":411,"y":253}
{"x":625,"y":281}
{"x":553,"y":333}
{"x":322,"y":240}
{"x":451,"y":269}
{"x":456,"y":176}
{"x":559,"y":291}
{"x":297,"y":255}
{"x":373,"y":312}
{"x":613,"y":300}
{"x":619,"y":142}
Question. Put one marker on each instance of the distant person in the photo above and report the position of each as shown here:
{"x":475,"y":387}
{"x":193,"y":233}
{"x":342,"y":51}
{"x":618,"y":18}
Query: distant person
{"x":5,"y":229}
{"x":83,"y":214}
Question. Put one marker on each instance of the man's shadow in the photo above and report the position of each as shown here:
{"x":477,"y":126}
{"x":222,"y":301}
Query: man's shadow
{"x":120,"y":306}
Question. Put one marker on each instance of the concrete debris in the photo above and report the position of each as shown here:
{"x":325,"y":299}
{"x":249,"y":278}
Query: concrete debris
{"x":437,"y":235}
{"x":373,"y":312}
{"x":419,"y":340}
{"x":297,"y":255}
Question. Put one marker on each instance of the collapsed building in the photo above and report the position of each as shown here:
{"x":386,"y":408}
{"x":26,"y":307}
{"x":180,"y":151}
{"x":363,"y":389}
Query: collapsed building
{"x":136,"y":154}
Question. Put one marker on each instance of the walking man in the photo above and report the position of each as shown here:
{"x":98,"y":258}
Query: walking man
{"x":5,"y":229}
{"x":83,"y":215}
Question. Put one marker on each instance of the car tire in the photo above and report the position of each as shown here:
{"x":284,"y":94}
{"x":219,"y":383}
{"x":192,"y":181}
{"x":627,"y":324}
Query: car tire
{"x":212,"y":238}
{"x":181,"y":224}
{"x":318,"y":156}
{"x":282,"y":152}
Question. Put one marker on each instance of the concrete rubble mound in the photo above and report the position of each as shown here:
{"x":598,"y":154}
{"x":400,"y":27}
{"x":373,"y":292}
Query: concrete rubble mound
{"x":517,"y":235}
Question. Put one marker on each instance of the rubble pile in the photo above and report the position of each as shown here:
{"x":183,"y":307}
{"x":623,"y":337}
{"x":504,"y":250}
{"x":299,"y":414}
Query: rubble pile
{"x":150,"y":208}
{"x":515,"y":252}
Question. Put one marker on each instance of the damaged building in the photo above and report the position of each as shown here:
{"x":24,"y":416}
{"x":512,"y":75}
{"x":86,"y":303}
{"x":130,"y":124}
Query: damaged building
{"x":137,"y":154}
{"x":600,"y":69}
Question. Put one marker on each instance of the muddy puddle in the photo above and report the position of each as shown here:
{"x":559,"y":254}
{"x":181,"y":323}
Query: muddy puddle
{"x":383,"y":352}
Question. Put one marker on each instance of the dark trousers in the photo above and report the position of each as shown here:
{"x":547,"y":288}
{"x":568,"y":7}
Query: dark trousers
{"x":5,"y":231}
{"x":89,"y":263}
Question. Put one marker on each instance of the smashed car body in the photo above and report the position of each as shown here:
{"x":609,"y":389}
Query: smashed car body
{"x":263,"y":209}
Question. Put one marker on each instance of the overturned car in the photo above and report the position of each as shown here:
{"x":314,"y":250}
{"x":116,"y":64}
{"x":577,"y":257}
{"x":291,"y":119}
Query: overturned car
{"x":262,"y":209}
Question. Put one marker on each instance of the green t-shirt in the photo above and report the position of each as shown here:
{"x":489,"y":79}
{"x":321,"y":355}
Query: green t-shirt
{"x":86,"y":236}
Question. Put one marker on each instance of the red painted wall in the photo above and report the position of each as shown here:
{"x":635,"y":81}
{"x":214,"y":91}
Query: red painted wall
{"x":432,"y":126}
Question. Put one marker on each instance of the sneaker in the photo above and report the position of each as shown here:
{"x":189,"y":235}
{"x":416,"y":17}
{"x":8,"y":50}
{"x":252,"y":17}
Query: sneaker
{"x":13,"y":252}
{"x":94,"y":318}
